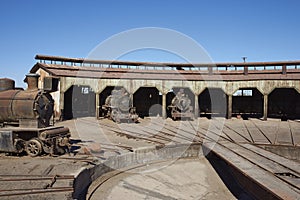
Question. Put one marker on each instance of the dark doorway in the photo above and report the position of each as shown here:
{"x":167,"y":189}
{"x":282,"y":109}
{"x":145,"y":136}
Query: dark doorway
{"x":247,"y":102}
{"x":147,"y":101}
{"x":284,"y":103}
{"x":79,"y":101}
{"x":212,"y":103}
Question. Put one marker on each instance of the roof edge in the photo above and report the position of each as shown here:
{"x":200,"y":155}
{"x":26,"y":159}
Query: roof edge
{"x":136,"y":63}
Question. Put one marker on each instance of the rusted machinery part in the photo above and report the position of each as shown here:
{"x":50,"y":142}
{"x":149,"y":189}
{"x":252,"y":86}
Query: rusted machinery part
{"x":43,"y":107}
{"x":7,"y":84}
{"x":124,"y":103}
{"x":108,"y":100}
{"x":181,"y":102}
{"x":118,"y":99}
{"x":64,"y":142}
{"x":19,"y":145}
{"x":6,"y":111}
{"x":60,"y":131}
{"x":55,"y":140}
{"x":32,"y":81}
{"x":33,"y":104}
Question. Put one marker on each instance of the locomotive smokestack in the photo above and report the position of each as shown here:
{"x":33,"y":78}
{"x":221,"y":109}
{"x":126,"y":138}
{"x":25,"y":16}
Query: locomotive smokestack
{"x":32,"y":81}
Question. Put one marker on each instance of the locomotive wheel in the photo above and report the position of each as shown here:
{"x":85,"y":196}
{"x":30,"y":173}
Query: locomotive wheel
{"x":33,"y":147}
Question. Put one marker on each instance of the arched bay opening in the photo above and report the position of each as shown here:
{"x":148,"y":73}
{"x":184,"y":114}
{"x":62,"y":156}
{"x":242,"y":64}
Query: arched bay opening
{"x":79,"y":101}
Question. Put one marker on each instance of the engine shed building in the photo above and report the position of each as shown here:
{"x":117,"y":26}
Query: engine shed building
{"x":251,"y":89}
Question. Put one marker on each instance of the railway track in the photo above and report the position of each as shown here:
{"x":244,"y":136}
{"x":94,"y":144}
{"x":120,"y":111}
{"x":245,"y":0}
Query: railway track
{"x":200,"y":134}
{"x":283,"y":169}
{"x":253,"y":151}
{"x":188,"y":133}
{"x":30,"y":185}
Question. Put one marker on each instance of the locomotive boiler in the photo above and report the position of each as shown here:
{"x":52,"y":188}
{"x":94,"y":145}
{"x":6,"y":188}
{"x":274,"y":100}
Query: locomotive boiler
{"x":25,"y":119}
{"x":118,"y":107}
{"x":181,"y":106}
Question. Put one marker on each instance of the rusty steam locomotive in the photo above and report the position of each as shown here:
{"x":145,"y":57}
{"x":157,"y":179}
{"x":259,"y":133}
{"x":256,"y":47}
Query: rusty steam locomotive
{"x":25,"y":119}
{"x":181,"y":106}
{"x":118,"y":107}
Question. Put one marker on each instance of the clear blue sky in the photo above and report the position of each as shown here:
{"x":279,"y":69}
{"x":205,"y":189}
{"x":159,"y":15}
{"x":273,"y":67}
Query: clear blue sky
{"x":228,"y":29}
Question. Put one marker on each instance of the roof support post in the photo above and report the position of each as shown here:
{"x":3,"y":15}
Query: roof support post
{"x":283,"y":69}
{"x":265,"y":107}
{"x":196,"y":106}
{"x":61,"y":104}
{"x":97,"y":105}
{"x":210,"y":70}
{"x":245,"y":70}
{"x":229,"y":106}
{"x":164,"y":106}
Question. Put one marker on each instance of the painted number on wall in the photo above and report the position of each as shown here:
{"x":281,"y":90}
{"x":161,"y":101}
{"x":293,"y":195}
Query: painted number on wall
{"x":85,"y":90}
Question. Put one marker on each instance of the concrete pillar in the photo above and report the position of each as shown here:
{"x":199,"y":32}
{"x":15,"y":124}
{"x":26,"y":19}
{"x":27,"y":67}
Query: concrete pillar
{"x":62,"y":90}
{"x":131,"y":99}
{"x":229,"y":107}
{"x":61,"y":104}
{"x":196,"y":106}
{"x":97,"y":105}
{"x":265,"y":107}
{"x":164,"y":106}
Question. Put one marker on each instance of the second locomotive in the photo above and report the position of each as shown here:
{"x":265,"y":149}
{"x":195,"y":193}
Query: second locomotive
{"x":118,"y":107}
{"x":181,"y":106}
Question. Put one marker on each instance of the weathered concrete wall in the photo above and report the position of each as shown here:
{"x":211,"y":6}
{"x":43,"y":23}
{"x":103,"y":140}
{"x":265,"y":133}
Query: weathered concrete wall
{"x":164,"y":86}
{"x":98,"y":85}
{"x":229,"y":87}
